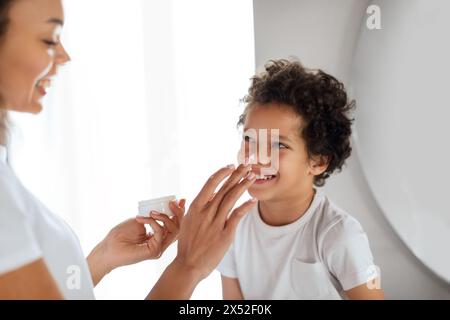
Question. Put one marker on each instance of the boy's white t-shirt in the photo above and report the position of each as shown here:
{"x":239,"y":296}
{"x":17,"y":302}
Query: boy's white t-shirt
{"x":29,"y":231}
{"x":322,"y":254}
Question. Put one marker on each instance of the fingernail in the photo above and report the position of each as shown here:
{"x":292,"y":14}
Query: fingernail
{"x":251,"y":176}
{"x":230,"y":166}
{"x":254,"y":200}
{"x":246,"y":161}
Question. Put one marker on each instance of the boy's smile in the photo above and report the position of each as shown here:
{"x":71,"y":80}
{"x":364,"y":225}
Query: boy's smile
{"x":263,"y":180}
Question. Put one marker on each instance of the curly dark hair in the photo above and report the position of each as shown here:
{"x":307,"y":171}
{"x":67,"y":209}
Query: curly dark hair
{"x":318,"y":98}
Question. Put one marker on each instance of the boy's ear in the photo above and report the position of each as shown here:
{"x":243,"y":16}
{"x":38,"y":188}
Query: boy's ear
{"x":318,"y":165}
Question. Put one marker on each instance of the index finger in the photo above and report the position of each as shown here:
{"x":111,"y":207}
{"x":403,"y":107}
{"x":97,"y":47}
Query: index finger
{"x":235,"y":178}
{"x":211,"y":185}
{"x":178,"y":208}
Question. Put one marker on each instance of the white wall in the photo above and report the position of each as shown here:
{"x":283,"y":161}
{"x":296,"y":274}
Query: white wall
{"x":322,"y":34}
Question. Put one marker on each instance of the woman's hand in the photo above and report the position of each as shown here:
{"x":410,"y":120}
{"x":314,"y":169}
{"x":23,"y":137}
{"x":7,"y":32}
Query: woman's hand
{"x":206,"y":233}
{"x":129,"y":243}
{"x":164,"y":235}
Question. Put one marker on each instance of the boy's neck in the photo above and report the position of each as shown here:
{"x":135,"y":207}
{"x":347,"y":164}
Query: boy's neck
{"x":285,"y":211}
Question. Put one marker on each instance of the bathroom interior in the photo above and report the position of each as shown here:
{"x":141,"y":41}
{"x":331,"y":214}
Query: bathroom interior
{"x":391,"y":55}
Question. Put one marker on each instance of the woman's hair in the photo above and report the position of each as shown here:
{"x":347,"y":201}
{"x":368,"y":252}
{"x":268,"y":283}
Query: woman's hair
{"x":321,"y":102}
{"x":4,"y":22}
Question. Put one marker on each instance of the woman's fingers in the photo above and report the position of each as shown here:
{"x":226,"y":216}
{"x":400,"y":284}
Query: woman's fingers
{"x":142,"y":220}
{"x":241,"y":172}
{"x":236,"y":216}
{"x":182,"y":204}
{"x":211,"y":185}
{"x":168,"y":223}
{"x":158,"y":231}
{"x":232,"y":196}
{"x":178,"y":209}
{"x":153,"y":248}
{"x":172,"y":225}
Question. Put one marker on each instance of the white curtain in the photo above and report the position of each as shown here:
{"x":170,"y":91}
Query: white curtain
{"x":146,"y":108}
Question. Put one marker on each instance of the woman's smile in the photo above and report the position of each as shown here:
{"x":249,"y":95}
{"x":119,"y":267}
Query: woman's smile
{"x":43,"y":86}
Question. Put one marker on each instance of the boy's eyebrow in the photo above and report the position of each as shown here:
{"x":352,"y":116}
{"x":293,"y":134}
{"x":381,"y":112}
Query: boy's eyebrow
{"x":284,"y":138}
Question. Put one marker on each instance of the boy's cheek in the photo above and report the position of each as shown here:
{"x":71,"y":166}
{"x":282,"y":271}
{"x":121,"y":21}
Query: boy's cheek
{"x":285,"y":164}
{"x":292,"y":167}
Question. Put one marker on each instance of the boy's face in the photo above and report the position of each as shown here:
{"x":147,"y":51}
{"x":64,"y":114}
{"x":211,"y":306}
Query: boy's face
{"x":295,"y":170}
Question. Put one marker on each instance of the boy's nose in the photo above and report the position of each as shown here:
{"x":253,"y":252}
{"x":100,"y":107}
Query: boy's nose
{"x":256,"y":169}
{"x":258,"y":166}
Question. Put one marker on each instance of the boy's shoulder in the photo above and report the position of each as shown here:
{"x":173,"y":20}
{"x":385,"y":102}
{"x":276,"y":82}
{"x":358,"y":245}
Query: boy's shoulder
{"x":332,"y":223}
{"x":330,"y":215}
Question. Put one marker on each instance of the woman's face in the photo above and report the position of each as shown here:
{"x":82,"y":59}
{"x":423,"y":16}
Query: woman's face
{"x":30,"y":53}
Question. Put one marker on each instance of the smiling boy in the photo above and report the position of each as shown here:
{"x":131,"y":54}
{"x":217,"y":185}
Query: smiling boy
{"x":296,"y":244}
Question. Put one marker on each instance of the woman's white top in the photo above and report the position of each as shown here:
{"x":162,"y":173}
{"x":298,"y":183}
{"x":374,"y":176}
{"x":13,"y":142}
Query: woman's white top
{"x":29,"y":232}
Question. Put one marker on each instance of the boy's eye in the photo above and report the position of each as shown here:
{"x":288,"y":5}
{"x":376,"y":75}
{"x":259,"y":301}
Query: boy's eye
{"x":280,"y":145}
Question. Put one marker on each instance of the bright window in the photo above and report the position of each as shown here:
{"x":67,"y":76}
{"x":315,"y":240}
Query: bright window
{"x":147,"y":107}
